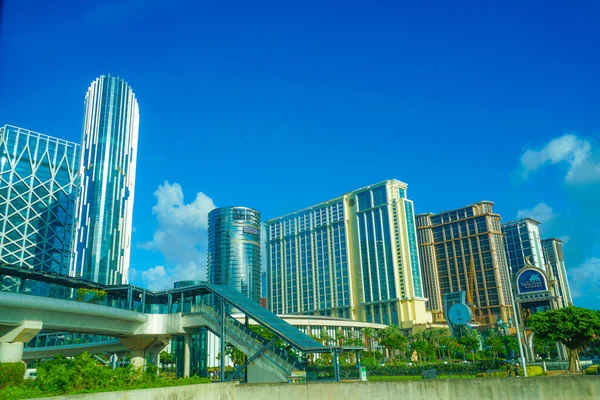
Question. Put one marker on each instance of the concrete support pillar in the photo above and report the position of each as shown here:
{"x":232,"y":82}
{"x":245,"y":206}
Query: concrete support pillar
{"x":186,"y":355}
{"x":138,"y":358}
{"x":141,"y":345}
{"x":11,"y":352}
{"x":13,"y":339}
{"x":154,"y":356}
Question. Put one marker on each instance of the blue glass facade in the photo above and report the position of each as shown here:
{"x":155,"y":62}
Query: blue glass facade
{"x":234,"y":249}
{"x":414,"y":252}
{"x":108,"y":169}
{"x":38,"y":187}
{"x":522,"y":242}
{"x":307,"y":268}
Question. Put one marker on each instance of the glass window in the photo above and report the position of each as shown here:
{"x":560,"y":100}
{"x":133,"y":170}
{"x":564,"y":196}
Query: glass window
{"x":364,"y":200}
{"x":380,"y":195}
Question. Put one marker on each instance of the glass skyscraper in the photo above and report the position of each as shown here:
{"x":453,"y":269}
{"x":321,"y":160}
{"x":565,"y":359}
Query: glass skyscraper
{"x":555,"y":260}
{"x":447,"y":242}
{"x":38,"y":184}
{"x":351,"y":257}
{"x":107,"y":168}
{"x":234,"y":249}
{"x":522,"y":242}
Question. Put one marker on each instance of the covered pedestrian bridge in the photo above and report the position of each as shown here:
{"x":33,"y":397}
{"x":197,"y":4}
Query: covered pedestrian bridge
{"x":145,"y":322}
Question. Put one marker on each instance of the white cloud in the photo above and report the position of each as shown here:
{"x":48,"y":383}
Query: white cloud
{"x":181,"y":237}
{"x":585,"y":279}
{"x":577,"y":153}
{"x":542,"y":212}
{"x":565,"y":238}
{"x":154,"y":277}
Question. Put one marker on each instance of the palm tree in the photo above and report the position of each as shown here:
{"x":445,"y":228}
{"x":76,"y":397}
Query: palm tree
{"x":369,"y":334}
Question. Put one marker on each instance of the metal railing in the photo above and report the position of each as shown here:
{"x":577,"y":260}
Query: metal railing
{"x":246,"y":335}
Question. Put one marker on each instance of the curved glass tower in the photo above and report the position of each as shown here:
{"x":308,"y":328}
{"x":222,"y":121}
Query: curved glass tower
{"x":107,"y":169}
{"x":234,"y":249}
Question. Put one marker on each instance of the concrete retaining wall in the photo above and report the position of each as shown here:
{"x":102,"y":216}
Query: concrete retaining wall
{"x":540,"y":388}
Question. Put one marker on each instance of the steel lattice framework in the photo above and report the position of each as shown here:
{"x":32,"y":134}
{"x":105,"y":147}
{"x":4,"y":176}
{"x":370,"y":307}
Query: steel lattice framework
{"x":39,"y":175}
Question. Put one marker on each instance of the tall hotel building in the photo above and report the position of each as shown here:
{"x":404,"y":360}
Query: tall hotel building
{"x":351,"y":257}
{"x":523,"y":245}
{"x":447,"y":242}
{"x":38,"y":185}
{"x":107,"y":168}
{"x":555,"y":261}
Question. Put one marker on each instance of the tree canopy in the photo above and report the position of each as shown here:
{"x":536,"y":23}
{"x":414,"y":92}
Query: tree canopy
{"x":393,"y":339}
{"x":574,"y":327}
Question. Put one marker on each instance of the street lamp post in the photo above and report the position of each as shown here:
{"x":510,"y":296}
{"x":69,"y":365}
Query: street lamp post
{"x":523,"y":365}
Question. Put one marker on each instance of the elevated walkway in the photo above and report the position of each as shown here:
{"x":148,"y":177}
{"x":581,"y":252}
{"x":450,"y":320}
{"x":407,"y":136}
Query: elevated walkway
{"x":143,"y":320}
{"x":71,"y":350}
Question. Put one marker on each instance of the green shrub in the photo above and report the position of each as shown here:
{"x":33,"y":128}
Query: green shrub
{"x":82,"y":374}
{"x":491,"y":374}
{"x":27,"y":390}
{"x":533,"y":370}
{"x":441,"y":368}
{"x":591,"y":370}
{"x":11,"y":374}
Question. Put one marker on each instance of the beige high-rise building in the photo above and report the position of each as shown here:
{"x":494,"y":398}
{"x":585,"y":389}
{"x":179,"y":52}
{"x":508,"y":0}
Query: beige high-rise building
{"x":355,"y":256}
{"x":447,"y":242}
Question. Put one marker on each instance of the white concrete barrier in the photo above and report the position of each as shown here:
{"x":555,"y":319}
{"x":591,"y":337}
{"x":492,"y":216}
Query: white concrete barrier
{"x":567,"y":387}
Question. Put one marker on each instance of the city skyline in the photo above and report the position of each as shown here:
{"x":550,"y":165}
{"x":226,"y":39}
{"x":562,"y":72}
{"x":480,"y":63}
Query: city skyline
{"x":334,"y":111}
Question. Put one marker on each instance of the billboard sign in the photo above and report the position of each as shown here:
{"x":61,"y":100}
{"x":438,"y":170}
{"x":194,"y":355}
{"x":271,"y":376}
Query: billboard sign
{"x":531,"y":281}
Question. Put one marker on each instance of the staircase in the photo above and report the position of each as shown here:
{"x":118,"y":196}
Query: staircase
{"x":274,"y":364}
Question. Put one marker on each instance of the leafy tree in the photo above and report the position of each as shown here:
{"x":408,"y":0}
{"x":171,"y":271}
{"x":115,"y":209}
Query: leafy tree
{"x":235,"y":355}
{"x":370,"y":334}
{"x":166,"y":358}
{"x":421,"y":347}
{"x":325,"y":359}
{"x":280,"y":344}
{"x":436,"y":338}
{"x":393,"y":339}
{"x":449,"y":345}
{"x":593,"y":349}
{"x":494,"y":343}
{"x":325,"y":338}
{"x":574,"y":327}
{"x":470,"y":341}
{"x":544,"y":346}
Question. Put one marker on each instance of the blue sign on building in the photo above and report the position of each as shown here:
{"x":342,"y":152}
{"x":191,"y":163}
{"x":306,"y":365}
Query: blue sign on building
{"x":531,"y":280}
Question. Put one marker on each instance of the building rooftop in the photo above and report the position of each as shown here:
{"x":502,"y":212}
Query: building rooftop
{"x":459,"y":208}
{"x":518,"y":221}
{"x":324,"y":203}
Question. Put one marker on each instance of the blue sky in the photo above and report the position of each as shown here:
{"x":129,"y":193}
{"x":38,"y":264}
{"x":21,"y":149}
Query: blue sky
{"x":280,"y":105}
